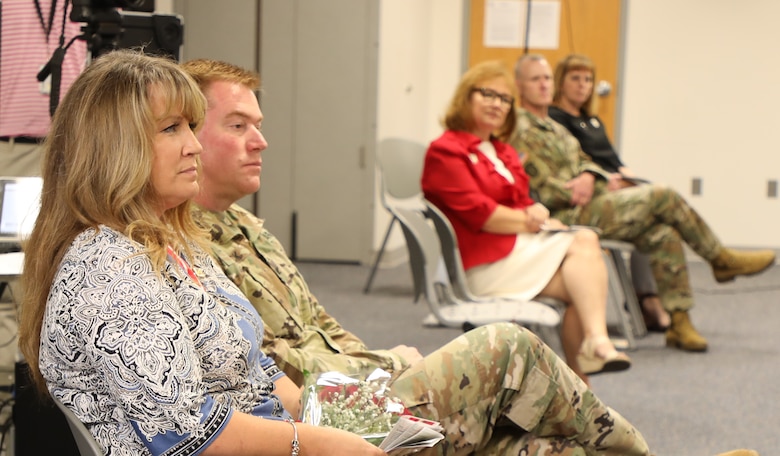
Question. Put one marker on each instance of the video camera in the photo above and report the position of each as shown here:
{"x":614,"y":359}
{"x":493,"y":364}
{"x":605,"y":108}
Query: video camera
{"x":123,"y":24}
{"x":107,"y":28}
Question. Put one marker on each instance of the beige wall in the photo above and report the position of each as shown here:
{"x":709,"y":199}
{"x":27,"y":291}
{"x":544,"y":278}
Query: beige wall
{"x":420,"y":62}
{"x":163,"y":6}
{"x":699,"y":89}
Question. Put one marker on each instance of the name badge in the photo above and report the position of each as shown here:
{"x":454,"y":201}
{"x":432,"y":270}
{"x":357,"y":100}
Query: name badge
{"x":44,"y":87}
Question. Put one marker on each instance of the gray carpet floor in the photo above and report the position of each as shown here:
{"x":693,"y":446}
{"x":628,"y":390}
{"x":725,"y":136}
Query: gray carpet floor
{"x":684,"y":404}
{"x":691,"y":404}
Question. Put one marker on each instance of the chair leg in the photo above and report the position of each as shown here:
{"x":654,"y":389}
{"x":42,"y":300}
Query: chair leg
{"x":617,"y":297}
{"x":632,"y":303}
{"x":381,"y":251}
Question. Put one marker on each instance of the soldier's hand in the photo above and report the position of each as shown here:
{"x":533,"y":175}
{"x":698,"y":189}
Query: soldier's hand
{"x":581,"y":189}
{"x":410,"y":354}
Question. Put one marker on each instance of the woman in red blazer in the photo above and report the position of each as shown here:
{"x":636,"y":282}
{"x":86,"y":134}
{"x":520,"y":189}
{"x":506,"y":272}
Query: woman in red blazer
{"x":508,"y":243}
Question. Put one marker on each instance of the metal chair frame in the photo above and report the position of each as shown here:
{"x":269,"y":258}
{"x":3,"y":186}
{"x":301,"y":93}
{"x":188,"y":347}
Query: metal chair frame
{"x":454,"y":306}
{"x":621,"y":289}
{"x":85,"y":442}
{"x":400,"y":163}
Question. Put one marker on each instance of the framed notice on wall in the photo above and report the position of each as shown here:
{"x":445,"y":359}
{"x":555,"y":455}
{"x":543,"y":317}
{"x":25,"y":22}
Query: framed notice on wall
{"x":510,"y":23}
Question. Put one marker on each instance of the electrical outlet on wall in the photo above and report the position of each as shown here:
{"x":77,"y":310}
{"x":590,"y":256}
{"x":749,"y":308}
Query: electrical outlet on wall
{"x":771,"y":188}
{"x":696,"y":186}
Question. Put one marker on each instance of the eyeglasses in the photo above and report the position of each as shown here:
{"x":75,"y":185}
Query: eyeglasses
{"x":490,"y":95}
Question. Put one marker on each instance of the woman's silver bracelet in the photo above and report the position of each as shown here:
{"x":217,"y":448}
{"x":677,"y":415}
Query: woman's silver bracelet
{"x":296,"y":448}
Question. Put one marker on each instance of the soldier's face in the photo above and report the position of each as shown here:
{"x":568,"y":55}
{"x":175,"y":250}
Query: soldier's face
{"x":232,"y":144}
{"x":535,"y":84}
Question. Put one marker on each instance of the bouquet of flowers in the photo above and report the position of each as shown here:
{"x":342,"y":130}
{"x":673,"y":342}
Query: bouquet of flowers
{"x":366,"y":407}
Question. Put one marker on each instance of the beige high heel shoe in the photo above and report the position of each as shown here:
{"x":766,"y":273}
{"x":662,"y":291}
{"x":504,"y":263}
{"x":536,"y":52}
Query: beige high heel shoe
{"x":591,"y":363}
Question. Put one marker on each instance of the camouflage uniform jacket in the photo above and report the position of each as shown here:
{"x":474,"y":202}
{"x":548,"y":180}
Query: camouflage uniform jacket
{"x":299,"y":334}
{"x":552,"y":157}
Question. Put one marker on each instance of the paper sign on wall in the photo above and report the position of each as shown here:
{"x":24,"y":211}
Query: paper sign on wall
{"x":505,"y":24}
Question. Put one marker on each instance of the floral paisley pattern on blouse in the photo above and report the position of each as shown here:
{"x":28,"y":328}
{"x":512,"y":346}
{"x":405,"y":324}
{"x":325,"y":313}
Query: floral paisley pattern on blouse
{"x":152,"y":362}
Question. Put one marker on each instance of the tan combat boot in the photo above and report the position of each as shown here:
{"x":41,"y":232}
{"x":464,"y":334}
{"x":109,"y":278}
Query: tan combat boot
{"x":681,"y":334}
{"x":739,"y":453}
{"x":731,"y":263}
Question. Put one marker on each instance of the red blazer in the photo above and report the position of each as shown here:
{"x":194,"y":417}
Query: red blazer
{"x":464,"y":184}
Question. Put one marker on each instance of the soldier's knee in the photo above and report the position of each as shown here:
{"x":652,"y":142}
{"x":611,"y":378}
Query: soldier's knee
{"x":503,"y":340}
{"x":664,"y":192}
{"x":510,"y":337}
{"x":499,"y":331}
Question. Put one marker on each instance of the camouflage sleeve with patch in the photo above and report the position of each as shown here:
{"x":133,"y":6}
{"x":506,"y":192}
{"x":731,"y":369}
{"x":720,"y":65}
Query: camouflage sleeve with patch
{"x":552,"y":157}
{"x":300,"y":335}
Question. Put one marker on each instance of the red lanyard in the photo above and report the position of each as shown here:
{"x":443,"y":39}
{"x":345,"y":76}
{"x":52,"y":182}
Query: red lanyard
{"x":184,"y":265}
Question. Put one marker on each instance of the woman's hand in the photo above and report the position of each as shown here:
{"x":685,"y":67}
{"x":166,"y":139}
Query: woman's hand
{"x":616,"y":182}
{"x":325,"y":441}
{"x":555,"y":224}
{"x":538,"y":212}
{"x":245,"y":434}
{"x":508,"y":220}
{"x":536,"y":216}
{"x":626,"y":171}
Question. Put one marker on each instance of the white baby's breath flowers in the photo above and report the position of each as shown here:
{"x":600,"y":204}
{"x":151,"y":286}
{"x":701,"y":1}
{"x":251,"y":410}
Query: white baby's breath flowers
{"x":360,"y":406}
{"x":355,"y":408}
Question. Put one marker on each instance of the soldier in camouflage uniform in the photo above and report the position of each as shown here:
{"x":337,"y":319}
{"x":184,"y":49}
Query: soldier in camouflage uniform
{"x":655,"y":218}
{"x":497,"y":390}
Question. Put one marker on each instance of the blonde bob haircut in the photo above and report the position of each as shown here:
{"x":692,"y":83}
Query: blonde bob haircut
{"x":458,"y":116}
{"x":575,"y":62}
{"x":97,"y":167}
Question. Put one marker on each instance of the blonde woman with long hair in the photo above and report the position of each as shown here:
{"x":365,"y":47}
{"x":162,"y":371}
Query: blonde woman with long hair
{"x":125,"y":319}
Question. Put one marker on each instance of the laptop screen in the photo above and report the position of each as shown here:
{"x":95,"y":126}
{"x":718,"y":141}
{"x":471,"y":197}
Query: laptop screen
{"x":20,"y":201}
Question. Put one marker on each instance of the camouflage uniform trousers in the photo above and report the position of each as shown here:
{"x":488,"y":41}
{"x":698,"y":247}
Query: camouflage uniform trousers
{"x":656,"y":219}
{"x":499,"y":390}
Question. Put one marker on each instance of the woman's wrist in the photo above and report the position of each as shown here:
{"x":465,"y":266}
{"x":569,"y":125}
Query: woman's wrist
{"x":294,"y":444}
{"x":526,"y":220}
{"x":529,"y":222}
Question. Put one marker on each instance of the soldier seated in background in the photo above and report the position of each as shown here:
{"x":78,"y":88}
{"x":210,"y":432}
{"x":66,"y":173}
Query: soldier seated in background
{"x":574,"y":108}
{"x":655,"y":218}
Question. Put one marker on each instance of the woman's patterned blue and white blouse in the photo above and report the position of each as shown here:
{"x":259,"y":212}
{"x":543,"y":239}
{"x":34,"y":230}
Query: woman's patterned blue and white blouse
{"x":152,"y":362}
